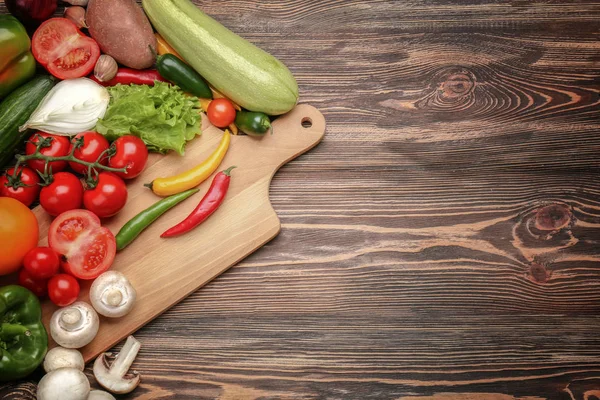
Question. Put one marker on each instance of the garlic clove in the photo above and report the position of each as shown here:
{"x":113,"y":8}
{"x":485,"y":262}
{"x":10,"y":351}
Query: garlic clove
{"x":76,"y":14}
{"x":106,"y":68}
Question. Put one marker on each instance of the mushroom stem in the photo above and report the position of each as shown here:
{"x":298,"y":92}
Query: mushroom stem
{"x":114,"y":297}
{"x":126,"y":356}
{"x":71,"y":318}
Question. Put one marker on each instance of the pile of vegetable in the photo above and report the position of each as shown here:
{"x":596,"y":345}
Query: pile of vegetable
{"x":120,"y":81}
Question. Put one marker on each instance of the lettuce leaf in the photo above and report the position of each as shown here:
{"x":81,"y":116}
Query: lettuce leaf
{"x":161,"y":115}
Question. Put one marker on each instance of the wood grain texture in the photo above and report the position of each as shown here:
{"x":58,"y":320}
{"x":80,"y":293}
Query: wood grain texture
{"x":442,"y":242}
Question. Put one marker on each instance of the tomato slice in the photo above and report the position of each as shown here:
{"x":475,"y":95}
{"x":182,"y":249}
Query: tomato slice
{"x":63,"y":49}
{"x":87,"y":248}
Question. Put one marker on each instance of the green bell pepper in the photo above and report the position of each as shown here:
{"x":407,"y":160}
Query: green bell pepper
{"x":23,"y":338}
{"x":17,"y":64}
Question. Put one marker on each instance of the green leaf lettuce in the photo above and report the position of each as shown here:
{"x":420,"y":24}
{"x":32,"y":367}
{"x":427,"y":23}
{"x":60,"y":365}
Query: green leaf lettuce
{"x":161,"y":115}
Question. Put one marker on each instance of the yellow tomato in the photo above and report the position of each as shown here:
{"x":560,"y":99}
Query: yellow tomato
{"x":18,"y":234}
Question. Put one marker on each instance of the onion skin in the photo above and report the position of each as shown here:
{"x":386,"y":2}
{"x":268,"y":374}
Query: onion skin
{"x":31,"y":12}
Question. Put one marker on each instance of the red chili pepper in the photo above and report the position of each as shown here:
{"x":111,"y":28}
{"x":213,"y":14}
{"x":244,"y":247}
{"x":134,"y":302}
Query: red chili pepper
{"x":208,"y":205}
{"x":125,"y":76}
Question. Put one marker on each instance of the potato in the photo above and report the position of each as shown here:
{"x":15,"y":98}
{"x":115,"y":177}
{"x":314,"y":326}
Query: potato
{"x":123,"y":31}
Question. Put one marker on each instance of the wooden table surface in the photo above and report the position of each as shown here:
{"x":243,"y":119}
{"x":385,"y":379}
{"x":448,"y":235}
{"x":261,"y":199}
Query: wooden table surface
{"x":442,"y":243}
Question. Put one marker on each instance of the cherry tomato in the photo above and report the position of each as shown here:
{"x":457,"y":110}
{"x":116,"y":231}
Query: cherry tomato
{"x":87,"y":248}
{"x":25,"y":194}
{"x":41,"y":263}
{"x":63,"y":289}
{"x":94,"y":144}
{"x":221,"y":113}
{"x":63,"y":194}
{"x":63,"y":49}
{"x":18,"y":234}
{"x":39,"y":287}
{"x":108,"y":197}
{"x":59,"y":147}
{"x":131,"y":152}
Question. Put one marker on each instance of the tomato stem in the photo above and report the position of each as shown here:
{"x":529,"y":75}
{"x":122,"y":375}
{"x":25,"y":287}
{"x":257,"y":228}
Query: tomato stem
{"x":71,"y":158}
{"x":92,"y":167}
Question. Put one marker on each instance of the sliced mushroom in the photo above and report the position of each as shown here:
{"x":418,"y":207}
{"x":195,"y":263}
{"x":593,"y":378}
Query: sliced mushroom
{"x":74,"y":326}
{"x":112,"y":295}
{"x":64,"y":384}
{"x":113,"y":376}
{"x":59,"y":357}
{"x":100,"y":395}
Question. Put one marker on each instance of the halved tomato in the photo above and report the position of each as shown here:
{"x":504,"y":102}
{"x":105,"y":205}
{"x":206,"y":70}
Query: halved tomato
{"x":87,"y":249}
{"x":63,"y":49}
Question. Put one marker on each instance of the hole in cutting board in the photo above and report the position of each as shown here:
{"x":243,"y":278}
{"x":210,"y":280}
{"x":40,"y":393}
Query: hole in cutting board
{"x":306,"y":122}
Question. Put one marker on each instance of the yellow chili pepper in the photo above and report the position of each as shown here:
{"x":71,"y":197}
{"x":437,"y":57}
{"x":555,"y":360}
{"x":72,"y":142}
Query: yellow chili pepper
{"x":234,"y":129}
{"x":165,"y":48}
{"x":195,"y":176}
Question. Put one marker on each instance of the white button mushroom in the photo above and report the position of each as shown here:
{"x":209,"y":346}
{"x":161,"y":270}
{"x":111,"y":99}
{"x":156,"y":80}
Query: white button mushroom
{"x":74,"y":326}
{"x":114,"y":377}
{"x":64,"y":384}
{"x":112,"y":295}
{"x":100,"y":395}
{"x":59,"y":357}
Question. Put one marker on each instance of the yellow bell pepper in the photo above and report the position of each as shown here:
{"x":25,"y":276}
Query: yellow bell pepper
{"x":219,"y":95}
{"x":165,"y":48}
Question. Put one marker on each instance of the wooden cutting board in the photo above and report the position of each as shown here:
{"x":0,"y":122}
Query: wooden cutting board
{"x":165,"y":271}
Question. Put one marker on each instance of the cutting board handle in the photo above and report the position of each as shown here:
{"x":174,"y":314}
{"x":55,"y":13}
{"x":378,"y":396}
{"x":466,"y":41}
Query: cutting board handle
{"x":293,"y":134}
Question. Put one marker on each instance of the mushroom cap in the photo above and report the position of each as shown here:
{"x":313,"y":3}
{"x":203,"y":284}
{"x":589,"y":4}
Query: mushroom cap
{"x":100,"y":395}
{"x":74,"y":326}
{"x":59,"y":357}
{"x":111,"y":372}
{"x":112,"y":295}
{"x":64,"y":384}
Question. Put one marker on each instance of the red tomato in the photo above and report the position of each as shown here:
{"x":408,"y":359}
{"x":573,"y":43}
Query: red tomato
{"x":39,"y":287}
{"x":94,"y":144}
{"x":59,"y":147}
{"x":108,"y":197}
{"x":88,"y":248}
{"x":25,"y":194}
{"x":41,"y":263}
{"x":63,"y":290}
{"x":131,"y":152}
{"x":63,"y":194}
{"x":63,"y":49}
{"x":221,"y":113}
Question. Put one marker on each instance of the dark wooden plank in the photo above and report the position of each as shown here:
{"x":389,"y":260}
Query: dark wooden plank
{"x":442,"y":242}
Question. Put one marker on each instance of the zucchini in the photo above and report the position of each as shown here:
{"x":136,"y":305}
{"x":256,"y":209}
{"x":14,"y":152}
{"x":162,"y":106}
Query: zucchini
{"x":249,"y":76}
{"x":15,"y":111}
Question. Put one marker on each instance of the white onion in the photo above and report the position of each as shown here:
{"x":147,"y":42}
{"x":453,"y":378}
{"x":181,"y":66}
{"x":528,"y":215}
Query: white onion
{"x":72,"y":106}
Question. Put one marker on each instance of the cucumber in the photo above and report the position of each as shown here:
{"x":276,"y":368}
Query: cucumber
{"x":249,"y":76}
{"x":15,"y":111}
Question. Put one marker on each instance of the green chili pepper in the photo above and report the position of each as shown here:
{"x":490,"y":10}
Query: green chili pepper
{"x":23,"y":339}
{"x":137,"y":224}
{"x":172,"y":68}
{"x":253,"y":123}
